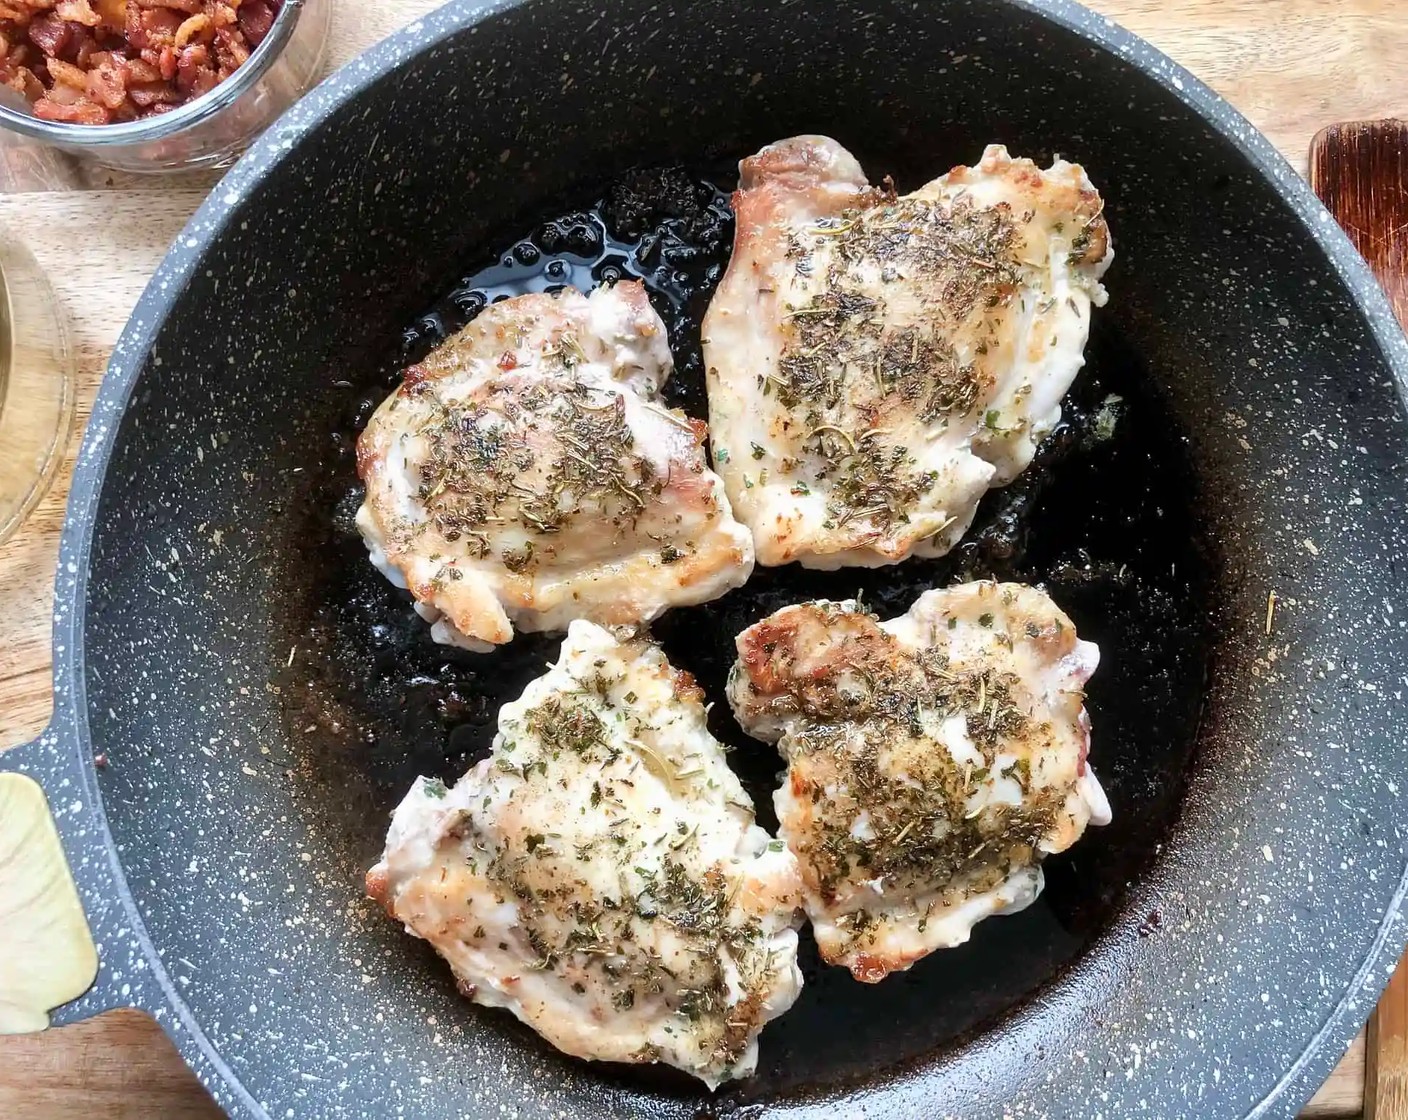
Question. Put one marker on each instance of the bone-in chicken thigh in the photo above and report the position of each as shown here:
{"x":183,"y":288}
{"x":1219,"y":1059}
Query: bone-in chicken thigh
{"x":601,"y":875}
{"x":877,"y":361}
{"x":526,"y":474}
{"x":932,"y":760}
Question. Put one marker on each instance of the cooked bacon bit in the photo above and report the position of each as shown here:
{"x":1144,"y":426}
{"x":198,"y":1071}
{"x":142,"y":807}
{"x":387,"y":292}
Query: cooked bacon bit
{"x":62,"y":94}
{"x":96,"y":61}
{"x":87,"y":48}
{"x":68,"y":75}
{"x":231,"y":46}
{"x":50,"y":34}
{"x":24,"y":80}
{"x":107,"y":85}
{"x":148,"y":94}
{"x":77,"y":11}
{"x":255,"y":19}
{"x":140,"y":70}
{"x":190,"y":60}
{"x":194,"y":68}
{"x":155,"y":27}
{"x":190,"y":29}
{"x":80,"y":112}
{"x":113,"y":13}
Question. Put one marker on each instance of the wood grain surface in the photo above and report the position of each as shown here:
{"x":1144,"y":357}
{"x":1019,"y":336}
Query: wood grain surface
{"x":1386,"y":1053}
{"x":1360,"y":171}
{"x":1291,"y":66}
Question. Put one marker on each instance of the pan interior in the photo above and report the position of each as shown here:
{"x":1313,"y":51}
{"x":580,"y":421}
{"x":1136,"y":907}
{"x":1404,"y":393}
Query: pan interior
{"x":265,"y":698}
{"x":390,"y":704}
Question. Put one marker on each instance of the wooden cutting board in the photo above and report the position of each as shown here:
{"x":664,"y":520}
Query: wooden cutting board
{"x":1292,"y":66}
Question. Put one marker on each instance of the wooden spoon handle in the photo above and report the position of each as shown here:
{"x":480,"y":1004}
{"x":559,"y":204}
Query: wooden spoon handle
{"x":1360,"y":172}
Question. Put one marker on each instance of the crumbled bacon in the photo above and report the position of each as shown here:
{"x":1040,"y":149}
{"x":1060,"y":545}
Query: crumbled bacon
{"x":255,"y":19}
{"x":140,"y":70}
{"x":190,"y":28}
{"x":230,"y":47}
{"x":101,"y":61}
{"x":80,"y":112}
{"x":87,"y":48}
{"x":107,"y":84}
{"x":150,"y":29}
{"x":189,"y":64}
{"x":50,"y":34}
{"x":23,"y":79}
{"x":147,"y":94}
{"x":77,"y":11}
{"x":66,"y":74}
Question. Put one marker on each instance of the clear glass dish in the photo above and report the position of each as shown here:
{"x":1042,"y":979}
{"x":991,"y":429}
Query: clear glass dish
{"x":210,"y":131}
{"x":36,"y":384}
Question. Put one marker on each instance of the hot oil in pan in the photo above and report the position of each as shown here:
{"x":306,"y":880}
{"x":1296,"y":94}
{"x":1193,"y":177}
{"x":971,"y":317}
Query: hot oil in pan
{"x":1104,"y":519}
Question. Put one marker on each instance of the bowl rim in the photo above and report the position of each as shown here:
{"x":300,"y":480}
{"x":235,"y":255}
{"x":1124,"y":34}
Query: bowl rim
{"x":18,"y":267}
{"x":164,"y":125}
{"x":1303,"y":1072}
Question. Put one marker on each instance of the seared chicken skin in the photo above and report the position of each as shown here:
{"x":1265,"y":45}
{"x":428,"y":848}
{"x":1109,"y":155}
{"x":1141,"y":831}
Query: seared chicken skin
{"x":876,"y":362}
{"x":932,"y":761}
{"x":526,"y":474}
{"x":601,"y":874}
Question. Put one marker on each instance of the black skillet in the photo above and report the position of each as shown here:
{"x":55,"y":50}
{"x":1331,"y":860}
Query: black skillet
{"x":263,"y":698}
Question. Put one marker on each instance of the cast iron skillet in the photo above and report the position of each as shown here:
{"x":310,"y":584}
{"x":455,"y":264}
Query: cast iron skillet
{"x":262,"y":699}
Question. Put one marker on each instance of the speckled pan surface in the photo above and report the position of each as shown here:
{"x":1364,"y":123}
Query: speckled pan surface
{"x":220,"y":848}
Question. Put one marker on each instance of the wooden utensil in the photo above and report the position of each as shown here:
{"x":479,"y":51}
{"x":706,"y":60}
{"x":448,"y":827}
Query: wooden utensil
{"x":47,"y":956}
{"x":1360,"y":171}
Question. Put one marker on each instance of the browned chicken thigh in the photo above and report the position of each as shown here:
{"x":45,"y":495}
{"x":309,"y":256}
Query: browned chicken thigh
{"x":526,"y":474}
{"x":877,"y":361}
{"x":932,"y":760}
{"x":600,"y":875}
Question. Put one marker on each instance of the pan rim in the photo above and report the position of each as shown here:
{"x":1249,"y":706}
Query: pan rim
{"x":1320,"y":1051}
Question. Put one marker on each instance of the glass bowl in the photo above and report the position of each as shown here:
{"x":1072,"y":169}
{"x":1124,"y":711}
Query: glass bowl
{"x":213,"y":129}
{"x":36,"y":384}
